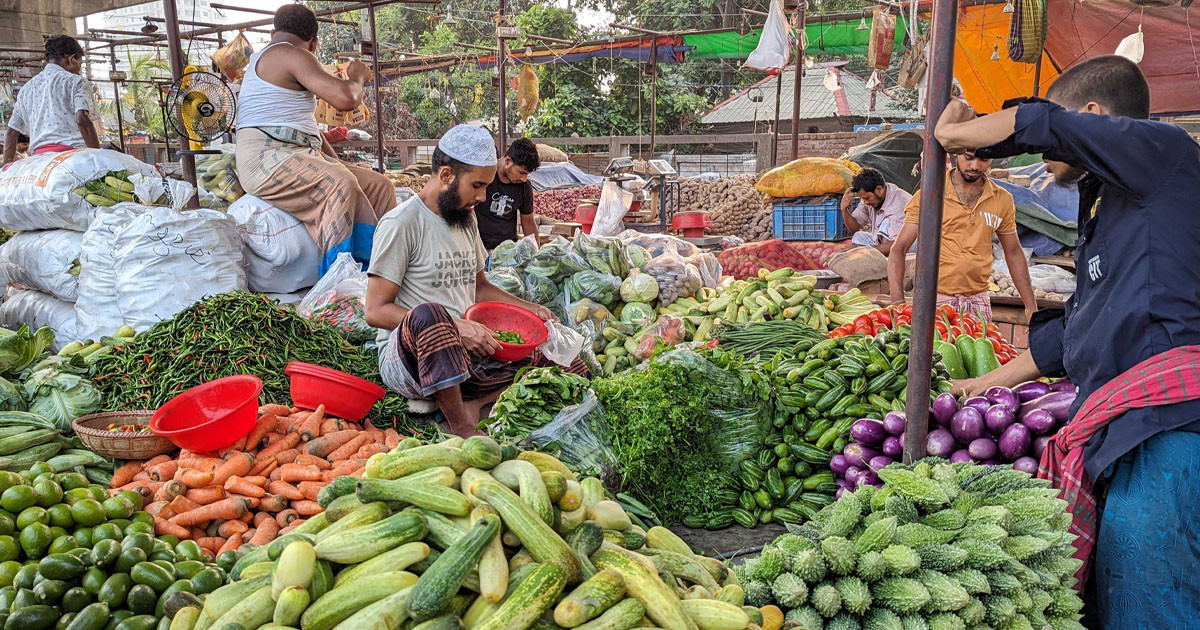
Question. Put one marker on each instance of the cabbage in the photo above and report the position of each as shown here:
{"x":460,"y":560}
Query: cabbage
{"x":598,"y":287}
{"x":510,"y":254}
{"x":639,"y":287}
{"x":507,"y":279}
{"x":638,"y":255}
{"x":19,"y":348}
{"x":61,"y":397}
{"x":10,"y":396}
{"x":638,"y":313}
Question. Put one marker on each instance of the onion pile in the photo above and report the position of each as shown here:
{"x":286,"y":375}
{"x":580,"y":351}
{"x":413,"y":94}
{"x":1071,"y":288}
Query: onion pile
{"x":560,"y":203}
{"x":1004,"y":426}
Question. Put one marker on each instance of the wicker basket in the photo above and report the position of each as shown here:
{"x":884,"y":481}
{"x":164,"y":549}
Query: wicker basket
{"x":93,"y":430}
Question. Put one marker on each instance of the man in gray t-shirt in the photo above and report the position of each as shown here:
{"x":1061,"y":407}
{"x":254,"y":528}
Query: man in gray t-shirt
{"x":427,"y":268}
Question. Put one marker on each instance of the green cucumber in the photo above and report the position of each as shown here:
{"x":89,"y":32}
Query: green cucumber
{"x":441,"y":581}
{"x":366,"y":542}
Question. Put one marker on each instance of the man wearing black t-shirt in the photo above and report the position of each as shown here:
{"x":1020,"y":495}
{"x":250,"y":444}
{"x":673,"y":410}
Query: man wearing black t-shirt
{"x":508,"y":195}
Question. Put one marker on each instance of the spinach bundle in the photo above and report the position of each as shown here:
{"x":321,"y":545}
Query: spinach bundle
{"x":535,"y":397}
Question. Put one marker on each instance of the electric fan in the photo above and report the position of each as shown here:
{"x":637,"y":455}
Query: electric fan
{"x":200,"y":106}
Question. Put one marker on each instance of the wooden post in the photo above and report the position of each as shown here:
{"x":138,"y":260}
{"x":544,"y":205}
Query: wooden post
{"x":1037,"y":75}
{"x":117,"y":101}
{"x":382,"y":166}
{"x":800,"y":20}
{"x":502,"y":124}
{"x":775,"y":130}
{"x":653,"y":91}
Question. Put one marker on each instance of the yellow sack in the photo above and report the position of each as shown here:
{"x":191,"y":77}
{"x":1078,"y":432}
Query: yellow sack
{"x":327,"y":114}
{"x":527,"y":92}
{"x":808,"y":177}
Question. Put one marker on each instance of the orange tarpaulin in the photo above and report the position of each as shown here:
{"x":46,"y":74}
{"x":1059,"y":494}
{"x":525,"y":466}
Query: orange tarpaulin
{"x":986,"y":83}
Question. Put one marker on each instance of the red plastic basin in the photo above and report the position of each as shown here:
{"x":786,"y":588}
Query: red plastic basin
{"x":692,"y":224}
{"x":513,"y":318}
{"x":585,"y":214}
{"x":343,"y":395}
{"x":211,"y":416}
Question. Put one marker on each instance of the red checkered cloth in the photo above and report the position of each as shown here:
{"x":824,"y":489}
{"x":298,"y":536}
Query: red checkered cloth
{"x":1164,"y":379}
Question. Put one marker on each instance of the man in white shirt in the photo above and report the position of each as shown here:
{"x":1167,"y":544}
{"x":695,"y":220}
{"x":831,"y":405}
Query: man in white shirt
{"x":54,"y":108}
{"x":877,"y":219}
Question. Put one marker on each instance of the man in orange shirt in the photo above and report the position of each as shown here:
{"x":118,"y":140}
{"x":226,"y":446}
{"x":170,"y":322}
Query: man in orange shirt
{"x":974,"y":210}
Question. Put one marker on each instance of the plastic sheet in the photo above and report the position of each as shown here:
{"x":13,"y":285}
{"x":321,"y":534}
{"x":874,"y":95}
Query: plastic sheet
{"x":581,"y":437}
{"x":614,"y":203}
{"x":562,"y":344}
{"x":37,"y":309}
{"x":339,"y":299}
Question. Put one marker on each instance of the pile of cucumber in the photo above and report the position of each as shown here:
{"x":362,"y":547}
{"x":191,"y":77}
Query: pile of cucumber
{"x":218,"y":175}
{"x":470,"y":534}
{"x":72,"y":557}
{"x":108,"y":190}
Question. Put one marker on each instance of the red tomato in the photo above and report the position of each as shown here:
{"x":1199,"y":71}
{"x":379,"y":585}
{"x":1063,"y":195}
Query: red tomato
{"x":862,"y":320}
{"x":885,"y":316}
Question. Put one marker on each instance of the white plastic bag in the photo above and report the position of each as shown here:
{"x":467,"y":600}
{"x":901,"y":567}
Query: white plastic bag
{"x":775,"y":43}
{"x":614,"y":203}
{"x":166,"y":260}
{"x":37,"y":309}
{"x":281,"y":257}
{"x":562,"y":344}
{"x":339,"y":299}
{"x":46,"y":260}
{"x":96,"y":305}
{"x":36,"y":193}
{"x":1052,"y":278}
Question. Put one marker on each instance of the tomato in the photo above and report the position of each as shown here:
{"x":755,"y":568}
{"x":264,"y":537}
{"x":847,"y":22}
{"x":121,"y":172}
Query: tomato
{"x":885,"y":316}
{"x":862,"y":320}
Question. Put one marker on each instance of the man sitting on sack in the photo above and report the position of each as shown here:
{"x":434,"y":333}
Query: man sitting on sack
{"x":427,"y":268}
{"x":281,"y":156}
{"x":54,"y":108}
{"x":879,"y":215}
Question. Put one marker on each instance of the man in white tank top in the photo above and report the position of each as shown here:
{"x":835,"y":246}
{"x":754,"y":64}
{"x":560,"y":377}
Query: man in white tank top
{"x":282,"y":157}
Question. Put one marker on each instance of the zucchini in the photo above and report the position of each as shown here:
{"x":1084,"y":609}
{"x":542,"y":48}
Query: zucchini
{"x":627,"y":614}
{"x":294,"y":568}
{"x":426,"y":495}
{"x":389,"y":613}
{"x":363,"y":543}
{"x":314,"y":525}
{"x":251,"y":612}
{"x":493,"y":565}
{"x":440,"y":476}
{"x":443,"y":532}
{"x":407,"y":462}
{"x":438,"y":584}
{"x":342,"y":506}
{"x":536,"y":536}
{"x":289,"y":605}
{"x":526,"y":479}
{"x":596,"y":595}
{"x":365,"y":515}
{"x":337,"y":605}
{"x":644,"y":585}
{"x":711,"y":614}
{"x":536,"y":594}
{"x":220,"y":601}
{"x":396,"y":559}
{"x":481,"y":608}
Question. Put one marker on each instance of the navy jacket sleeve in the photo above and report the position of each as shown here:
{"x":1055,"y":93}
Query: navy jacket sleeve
{"x":1046,"y":331}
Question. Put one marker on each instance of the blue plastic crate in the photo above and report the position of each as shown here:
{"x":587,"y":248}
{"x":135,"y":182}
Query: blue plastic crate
{"x":813,"y":219}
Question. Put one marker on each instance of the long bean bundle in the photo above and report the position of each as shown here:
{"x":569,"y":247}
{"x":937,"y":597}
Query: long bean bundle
{"x":765,"y":337}
{"x":234,"y":333}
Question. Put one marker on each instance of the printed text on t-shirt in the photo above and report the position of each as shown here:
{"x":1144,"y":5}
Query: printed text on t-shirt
{"x":454,"y":269}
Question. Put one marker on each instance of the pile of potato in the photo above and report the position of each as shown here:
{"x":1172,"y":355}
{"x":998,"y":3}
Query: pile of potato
{"x":1002,"y":284}
{"x":404,"y":180}
{"x":733,"y":204}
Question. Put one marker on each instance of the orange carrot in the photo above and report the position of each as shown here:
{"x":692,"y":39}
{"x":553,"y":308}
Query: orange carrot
{"x":238,"y":485}
{"x":239,"y":445}
{"x":193,"y":478}
{"x":390,"y":438}
{"x":156,"y":508}
{"x":266,"y":531}
{"x":142,"y":476}
{"x":326,"y":444}
{"x":156,"y":460}
{"x":229,"y":507}
{"x":368,"y":450}
{"x":211,"y":543}
{"x":231,"y":528}
{"x":206,"y":495}
{"x":285,"y":490}
{"x":275,"y":410}
{"x":259,"y":466}
{"x":376,"y":434}
{"x":272,"y":503}
{"x":233,"y":542}
{"x":271,"y":466}
{"x":251,"y":502}
{"x":239,"y":464}
{"x":145,"y":488}
{"x":286,"y":517}
{"x":164,"y":471}
{"x":164,"y":527}
{"x":310,"y":489}
{"x":200,"y":462}
{"x":270,"y":439}
{"x":125,"y":473}
{"x":312,"y":460}
{"x":331,"y":425}
{"x":307,"y":508}
{"x":170,"y":490}
{"x":183,"y":504}
{"x":292,"y":421}
{"x":265,"y":425}
{"x":311,"y":427}
{"x":259,"y":518}
{"x":259,"y":481}
{"x":288,"y":456}
{"x":294,"y":472}
{"x":349,"y":448}
{"x":289,"y":441}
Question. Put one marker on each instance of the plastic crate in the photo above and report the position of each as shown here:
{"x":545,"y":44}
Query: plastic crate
{"x":818,"y":219}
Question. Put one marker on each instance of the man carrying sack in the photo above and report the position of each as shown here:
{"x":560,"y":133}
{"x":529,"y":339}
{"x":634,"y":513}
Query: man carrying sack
{"x":281,"y":156}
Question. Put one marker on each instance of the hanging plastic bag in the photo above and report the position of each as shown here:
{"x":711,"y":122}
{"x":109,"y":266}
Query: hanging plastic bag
{"x":914,"y":63}
{"x":232,"y":58}
{"x":527,"y":92}
{"x":581,"y":437}
{"x":1132,"y":47}
{"x":882,"y":40}
{"x":614,"y":203}
{"x":562,"y":344}
{"x":338,"y":299}
{"x":775,"y":44}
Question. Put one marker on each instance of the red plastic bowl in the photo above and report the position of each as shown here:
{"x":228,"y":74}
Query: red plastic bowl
{"x":513,"y":318}
{"x":211,"y":416}
{"x":343,"y":395}
{"x":585,"y":214}
{"x":692,"y":224}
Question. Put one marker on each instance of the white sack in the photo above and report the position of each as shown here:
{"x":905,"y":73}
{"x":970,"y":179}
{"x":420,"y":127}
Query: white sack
{"x":43,"y":260}
{"x":37,"y":309}
{"x":280,"y":255}
{"x":36,"y":192}
{"x":96,"y":307}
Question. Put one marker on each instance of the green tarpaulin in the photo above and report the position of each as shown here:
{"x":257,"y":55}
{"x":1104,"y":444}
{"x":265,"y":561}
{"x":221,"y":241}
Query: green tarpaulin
{"x":827,"y":38}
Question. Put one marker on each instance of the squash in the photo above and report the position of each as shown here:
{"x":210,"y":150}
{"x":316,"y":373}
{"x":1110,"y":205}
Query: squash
{"x":481,"y":452}
{"x":470,"y":476}
{"x":659,"y":600}
{"x":556,"y":484}
{"x":404,"y":463}
{"x":572,"y":498}
{"x":547,"y":463}
{"x":364,"y":515}
{"x":430,"y":496}
{"x":397,"y":559}
{"x":337,"y":605}
{"x":596,"y":595}
{"x":493,"y":565}
{"x":660,"y":537}
{"x":438,"y":584}
{"x":525,"y":478}
{"x":481,"y":608}
{"x":628,"y":613}
{"x":711,"y":614}
{"x":593,"y":491}
{"x":610,"y":515}
{"x":363,"y":543}
{"x":295,"y":567}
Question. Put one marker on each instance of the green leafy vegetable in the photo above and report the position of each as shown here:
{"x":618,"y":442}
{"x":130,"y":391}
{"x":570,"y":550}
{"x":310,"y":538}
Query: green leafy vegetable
{"x":19,"y":348}
{"x":536,"y":396}
{"x":61,"y":396}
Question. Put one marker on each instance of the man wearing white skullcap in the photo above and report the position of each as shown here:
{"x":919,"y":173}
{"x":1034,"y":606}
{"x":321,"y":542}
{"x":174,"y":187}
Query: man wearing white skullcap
{"x":427,"y":268}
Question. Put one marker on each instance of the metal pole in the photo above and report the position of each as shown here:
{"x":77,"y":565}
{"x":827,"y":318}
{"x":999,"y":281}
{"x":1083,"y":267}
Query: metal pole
{"x":653,"y":91}
{"x":775,"y":131}
{"x":378,"y":91}
{"x":502,"y":123}
{"x":1037,"y":76}
{"x":800,"y":21}
{"x":117,"y":102}
{"x":929,"y":235}
{"x":175,"y":53}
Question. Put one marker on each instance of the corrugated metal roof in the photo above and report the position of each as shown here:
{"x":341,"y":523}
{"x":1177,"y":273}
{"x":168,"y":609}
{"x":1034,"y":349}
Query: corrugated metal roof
{"x":815,"y":100}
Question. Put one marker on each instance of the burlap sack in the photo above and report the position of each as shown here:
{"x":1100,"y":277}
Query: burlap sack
{"x":859,"y":265}
{"x":547,"y":153}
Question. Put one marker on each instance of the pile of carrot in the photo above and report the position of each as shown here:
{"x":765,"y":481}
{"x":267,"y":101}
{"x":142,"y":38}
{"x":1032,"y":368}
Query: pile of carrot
{"x":263,"y":485}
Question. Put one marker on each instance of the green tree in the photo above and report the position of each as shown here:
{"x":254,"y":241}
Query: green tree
{"x":140,"y":96}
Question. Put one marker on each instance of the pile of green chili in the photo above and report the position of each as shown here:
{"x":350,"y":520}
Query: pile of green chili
{"x":236,"y":333}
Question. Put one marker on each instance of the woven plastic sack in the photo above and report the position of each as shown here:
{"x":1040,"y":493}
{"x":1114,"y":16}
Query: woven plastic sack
{"x":281,"y":257}
{"x":96,"y":309}
{"x":327,"y":114}
{"x":1027,"y":31}
{"x":527,"y":92}
{"x":883,"y":36}
{"x":36,"y":309}
{"x":232,"y":58}
{"x":807,"y":177}
{"x":547,"y":153}
{"x":38,"y":192}
{"x":46,"y":260}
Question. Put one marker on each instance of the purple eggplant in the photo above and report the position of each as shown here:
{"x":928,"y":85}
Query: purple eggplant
{"x":867,"y":431}
{"x":867,"y":477}
{"x":967,"y":424}
{"x":1015,"y":442}
{"x":939,"y":443}
{"x":1057,"y":403}
{"x":894,"y":423}
{"x":1064,"y":385}
{"x":943,"y":408}
{"x":882,"y":461}
{"x":979,"y":403}
{"x":990,"y":462}
{"x":838,"y":464}
{"x":982,"y":448}
{"x":961,"y":455}
{"x":1031,"y":390}
{"x":893,"y":447}
{"x":852,"y":474}
{"x":1026,"y":465}
{"x":840,"y":491}
{"x":997,"y":418}
{"x":857,"y":455}
{"x":1039,"y":445}
{"x":1039,"y":421}
{"x":1002,"y":396}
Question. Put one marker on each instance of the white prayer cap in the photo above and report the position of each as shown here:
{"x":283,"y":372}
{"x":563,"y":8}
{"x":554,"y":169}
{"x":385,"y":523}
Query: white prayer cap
{"x":470,"y":145}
